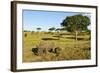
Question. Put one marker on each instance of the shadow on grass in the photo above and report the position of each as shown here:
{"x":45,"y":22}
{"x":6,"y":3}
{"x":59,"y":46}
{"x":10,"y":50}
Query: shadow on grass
{"x":56,"y":37}
{"x":79,"y":38}
{"x":50,"y":39}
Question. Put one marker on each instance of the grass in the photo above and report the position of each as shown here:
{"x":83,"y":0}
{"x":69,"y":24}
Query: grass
{"x":71,"y":49}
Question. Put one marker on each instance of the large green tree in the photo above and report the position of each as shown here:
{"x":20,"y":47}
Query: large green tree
{"x":76,"y":23}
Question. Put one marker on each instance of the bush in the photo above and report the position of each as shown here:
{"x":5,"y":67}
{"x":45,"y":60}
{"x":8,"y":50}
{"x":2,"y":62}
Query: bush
{"x":25,"y":34}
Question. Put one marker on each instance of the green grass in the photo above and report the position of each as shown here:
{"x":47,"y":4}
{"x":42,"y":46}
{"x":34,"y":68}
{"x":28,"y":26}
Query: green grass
{"x":71,"y":49}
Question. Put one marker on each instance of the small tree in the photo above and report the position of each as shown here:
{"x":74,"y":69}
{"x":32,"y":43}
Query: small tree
{"x":51,"y":29}
{"x":76,"y":23}
{"x":58,"y":30}
{"x":58,"y":34}
{"x":38,"y":29}
{"x":25,"y":34}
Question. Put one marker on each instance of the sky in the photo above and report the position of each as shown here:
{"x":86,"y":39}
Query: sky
{"x":44,"y":19}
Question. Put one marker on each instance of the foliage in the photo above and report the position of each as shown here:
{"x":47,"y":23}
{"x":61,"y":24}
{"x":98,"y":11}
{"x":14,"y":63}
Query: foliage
{"x":51,"y":29}
{"x":25,"y":34}
{"x":38,"y":28}
{"x":76,"y":23}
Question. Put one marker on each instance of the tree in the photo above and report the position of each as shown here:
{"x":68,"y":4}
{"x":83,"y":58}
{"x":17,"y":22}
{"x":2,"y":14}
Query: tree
{"x":58,"y":30}
{"x":38,"y":29}
{"x":51,"y":29}
{"x":76,"y":23}
{"x":58,"y":34}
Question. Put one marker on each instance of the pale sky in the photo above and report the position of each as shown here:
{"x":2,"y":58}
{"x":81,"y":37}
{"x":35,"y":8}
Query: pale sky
{"x":44,"y":19}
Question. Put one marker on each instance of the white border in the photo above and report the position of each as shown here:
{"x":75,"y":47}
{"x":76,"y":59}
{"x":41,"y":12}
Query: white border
{"x":33,"y":65}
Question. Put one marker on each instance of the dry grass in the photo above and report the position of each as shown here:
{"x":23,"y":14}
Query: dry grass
{"x":71,"y":49}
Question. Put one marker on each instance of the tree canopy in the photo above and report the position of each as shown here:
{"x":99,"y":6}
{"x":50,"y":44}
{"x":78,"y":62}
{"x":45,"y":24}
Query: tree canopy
{"x":76,"y":23}
{"x":52,"y":29}
{"x":38,"y":28}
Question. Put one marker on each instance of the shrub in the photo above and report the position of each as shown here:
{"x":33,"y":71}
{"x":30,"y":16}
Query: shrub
{"x":25,"y":34}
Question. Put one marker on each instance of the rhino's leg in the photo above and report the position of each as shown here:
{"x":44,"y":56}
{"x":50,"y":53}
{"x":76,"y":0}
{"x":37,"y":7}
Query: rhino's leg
{"x":57,"y":51}
{"x":50,"y":50}
{"x":44,"y":51}
{"x":40,"y":51}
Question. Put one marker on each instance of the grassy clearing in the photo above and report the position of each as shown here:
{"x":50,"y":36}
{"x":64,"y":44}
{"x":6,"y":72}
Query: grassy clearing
{"x":71,"y":49}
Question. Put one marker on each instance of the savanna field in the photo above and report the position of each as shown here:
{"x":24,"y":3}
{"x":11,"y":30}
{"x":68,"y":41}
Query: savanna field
{"x":70,"y":49}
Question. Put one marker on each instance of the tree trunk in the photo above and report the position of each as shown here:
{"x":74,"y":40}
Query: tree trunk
{"x":76,"y":33}
{"x":58,"y":35}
